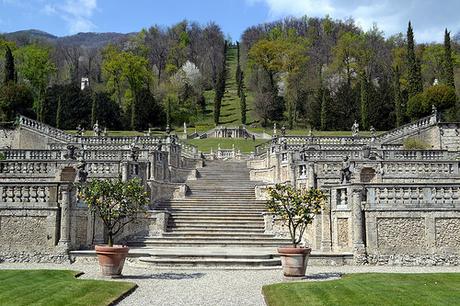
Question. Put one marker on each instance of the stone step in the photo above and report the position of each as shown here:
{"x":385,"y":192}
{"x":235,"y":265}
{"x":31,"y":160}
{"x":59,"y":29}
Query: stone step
{"x":210,"y":262}
{"x":211,"y":222}
{"x":216,"y":230}
{"x":222,"y":214}
{"x":198,"y":210}
{"x":211,"y":235}
{"x":218,"y":226}
{"x":279,"y":241}
{"x":182,"y":218}
{"x":204,"y":243}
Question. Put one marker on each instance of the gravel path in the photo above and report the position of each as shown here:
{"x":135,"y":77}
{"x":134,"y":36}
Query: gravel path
{"x":213,"y":287}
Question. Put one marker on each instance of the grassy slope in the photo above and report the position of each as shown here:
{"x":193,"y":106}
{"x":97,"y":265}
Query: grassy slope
{"x":57,"y":287}
{"x":369,"y":289}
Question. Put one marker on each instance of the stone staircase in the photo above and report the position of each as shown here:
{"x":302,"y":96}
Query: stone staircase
{"x":219,"y":223}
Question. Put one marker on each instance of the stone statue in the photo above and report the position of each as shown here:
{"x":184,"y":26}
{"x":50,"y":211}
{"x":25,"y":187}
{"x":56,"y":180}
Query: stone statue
{"x":82,"y":174}
{"x":274,"y":128}
{"x":96,"y":129}
{"x":283,"y":131}
{"x":105,"y":133}
{"x":70,"y":154}
{"x":80,"y":130}
{"x":355,"y":129}
{"x":185,"y":128}
{"x":134,"y":152}
{"x":345,"y":171}
{"x":373,"y":134}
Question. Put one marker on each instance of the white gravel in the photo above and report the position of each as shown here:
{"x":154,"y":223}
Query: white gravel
{"x":213,"y":287}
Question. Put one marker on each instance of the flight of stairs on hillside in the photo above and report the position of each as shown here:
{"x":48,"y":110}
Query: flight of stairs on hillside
{"x":219,"y":223}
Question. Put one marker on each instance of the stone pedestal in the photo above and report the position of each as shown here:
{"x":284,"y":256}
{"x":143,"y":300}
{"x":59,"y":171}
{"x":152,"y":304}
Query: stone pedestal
{"x":64,"y":241}
{"x":359,"y":249}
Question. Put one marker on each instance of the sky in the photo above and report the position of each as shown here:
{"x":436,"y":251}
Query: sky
{"x":65,"y":17}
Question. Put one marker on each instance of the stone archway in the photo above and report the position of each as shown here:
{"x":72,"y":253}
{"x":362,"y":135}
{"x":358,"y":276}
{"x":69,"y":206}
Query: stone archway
{"x":367,"y":175}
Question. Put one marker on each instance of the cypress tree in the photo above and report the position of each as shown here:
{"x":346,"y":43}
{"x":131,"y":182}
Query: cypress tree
{"x":397,"y":98}
{"x":324,"y":114}
{"x":415,"y":85}
{"x":59,"y":114}
{"x":448,"y":69}
{"x":243,"y":107}
{"x":9,"y":66}
{"x":220,"y":87}
{"x":94,"y":110}
{"x":364,"y":102}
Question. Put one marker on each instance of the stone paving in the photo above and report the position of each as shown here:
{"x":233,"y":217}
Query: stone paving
{"x":168,"y":286}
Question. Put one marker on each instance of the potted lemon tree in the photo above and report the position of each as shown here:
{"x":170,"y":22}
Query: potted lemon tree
{"x":296,"y":209}
{"x":117,"y":203}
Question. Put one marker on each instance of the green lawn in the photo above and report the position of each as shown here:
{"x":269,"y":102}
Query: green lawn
{"x":57,"y":287}
{"x":369,"y":289}
{"x":205,"y":145}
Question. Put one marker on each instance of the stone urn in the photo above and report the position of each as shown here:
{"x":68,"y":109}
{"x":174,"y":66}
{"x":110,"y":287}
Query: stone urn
{"x":294,"y":260}
{"x":111,"y":259}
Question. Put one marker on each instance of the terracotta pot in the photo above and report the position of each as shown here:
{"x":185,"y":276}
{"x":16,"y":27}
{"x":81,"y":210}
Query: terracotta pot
{"x":111,"y":259}
{"x":294,"y":260}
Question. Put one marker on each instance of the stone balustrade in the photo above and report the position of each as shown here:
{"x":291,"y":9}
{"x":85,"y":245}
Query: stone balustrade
{"x":27,"y":168}
{"x":13,"y":154}
{"x":28,"y":193}
{"x":45,"y":129}
{"x":407,"y":129}
{"x":412,"y":195}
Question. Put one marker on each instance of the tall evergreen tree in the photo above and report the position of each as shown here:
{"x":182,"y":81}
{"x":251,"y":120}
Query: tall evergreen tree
{"x":364,"y":102}
{"x":415,"y":85}
{"x":243,"y":107}
{"x":324,"y":108}
{"x":397,"y":97}
{"x":220,"y":87}
{"x":59,"y":114}
{"x":448,"y":69}
{"x":93,"y":109}
{"x":9,"y":66}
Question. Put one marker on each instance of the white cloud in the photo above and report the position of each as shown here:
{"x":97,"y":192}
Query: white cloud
{"x":76,"y":13}
{"x":429,"y":17}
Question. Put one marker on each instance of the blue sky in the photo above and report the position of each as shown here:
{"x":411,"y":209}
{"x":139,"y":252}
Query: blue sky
{"x":66,"y":17}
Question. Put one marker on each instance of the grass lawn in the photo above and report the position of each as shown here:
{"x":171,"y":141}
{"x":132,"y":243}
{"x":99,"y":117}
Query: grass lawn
{"x":57,"y":287}
{"x":369,"y":289}
{"x":205,"y":145}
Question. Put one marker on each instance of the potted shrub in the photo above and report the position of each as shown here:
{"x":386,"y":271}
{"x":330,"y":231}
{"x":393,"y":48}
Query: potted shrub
{"x":297,"y":209}
{"x":117,"y":203}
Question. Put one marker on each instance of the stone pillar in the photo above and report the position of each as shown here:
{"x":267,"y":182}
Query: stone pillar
{"x":326,"y":240}
{"x":268,"y":222}
{"x":359,"y":249}
{"x":311,"y":176}
{"x":124,"y":171}
{"x":64,"y":241}
{"x":292,"y":169}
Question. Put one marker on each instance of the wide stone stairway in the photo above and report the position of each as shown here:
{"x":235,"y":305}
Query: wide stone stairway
{"x":219,"y":223}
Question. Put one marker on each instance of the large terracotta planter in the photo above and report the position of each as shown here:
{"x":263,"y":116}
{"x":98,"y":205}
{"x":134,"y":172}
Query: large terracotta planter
{"x":111,"y":259}
{"x":294,"y":260}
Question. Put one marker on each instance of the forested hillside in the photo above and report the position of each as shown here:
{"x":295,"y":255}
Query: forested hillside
{"x":304,"y":73}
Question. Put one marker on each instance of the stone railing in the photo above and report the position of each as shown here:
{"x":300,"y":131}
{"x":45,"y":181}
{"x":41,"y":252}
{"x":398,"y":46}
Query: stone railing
{"x":18,"y":154}
{"x":45,"y":129}
{"x":408,"y":129}
{"x":188,"y":150}
{"x":419,"y":155}
{"x":420,"y":169}
{"x":412,"y":195}
{"x":27,"y":168}
{"x":28,"y":193}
